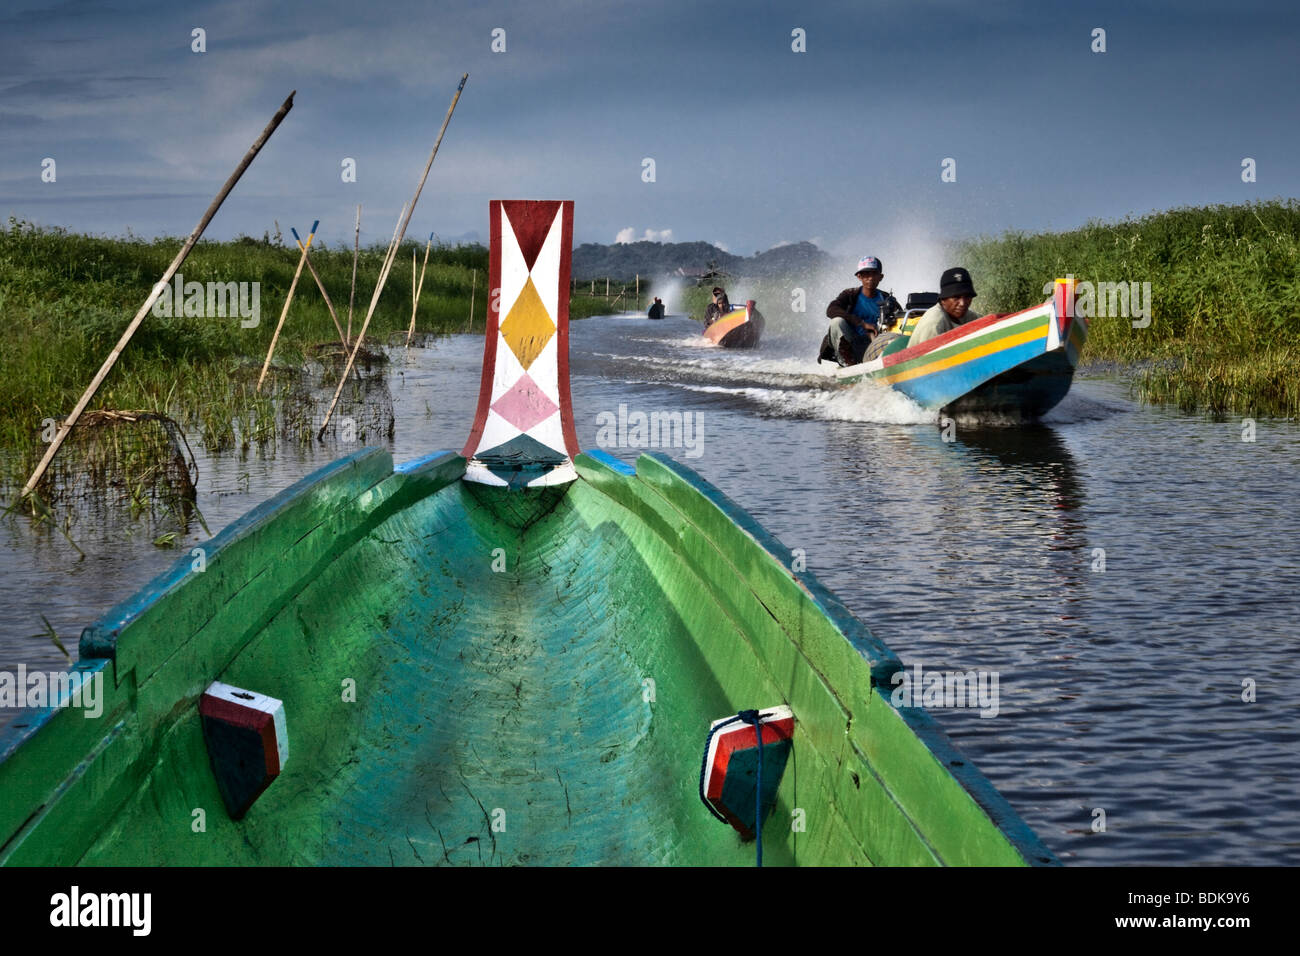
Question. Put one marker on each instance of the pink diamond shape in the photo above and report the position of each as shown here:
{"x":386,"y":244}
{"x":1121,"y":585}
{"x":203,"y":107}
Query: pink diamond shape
{"x":525,"y":404}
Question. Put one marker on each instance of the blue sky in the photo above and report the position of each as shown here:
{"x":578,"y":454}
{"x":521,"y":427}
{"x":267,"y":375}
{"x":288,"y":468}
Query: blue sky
{"x":753,"y":144}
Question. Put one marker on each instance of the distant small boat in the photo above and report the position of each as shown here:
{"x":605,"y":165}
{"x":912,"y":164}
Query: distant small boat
{"x":1018,"y":365}
{"x":513,"y":655}
{"x":739,"y":329}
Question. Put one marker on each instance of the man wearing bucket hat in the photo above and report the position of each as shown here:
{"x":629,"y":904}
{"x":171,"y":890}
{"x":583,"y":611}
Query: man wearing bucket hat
{"x":953,"y":308}
{"x":857,"y":314}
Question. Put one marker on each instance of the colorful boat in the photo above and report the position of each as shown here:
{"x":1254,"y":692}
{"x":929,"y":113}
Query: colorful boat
{"x":513,"y":654}
{"x":1019,"y":365}
{"x":739,"y":329}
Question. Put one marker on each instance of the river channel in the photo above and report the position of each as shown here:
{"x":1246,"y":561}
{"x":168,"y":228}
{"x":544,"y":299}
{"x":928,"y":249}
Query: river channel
{"x":1129,"y":573}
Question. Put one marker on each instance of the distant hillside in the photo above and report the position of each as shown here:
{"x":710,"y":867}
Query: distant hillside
{"x":627,"y":259}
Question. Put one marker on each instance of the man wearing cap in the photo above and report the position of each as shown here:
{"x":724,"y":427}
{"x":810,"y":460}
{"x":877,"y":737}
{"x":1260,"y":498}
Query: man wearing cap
{"x":953,"y":308}
{"x":857,"y":314}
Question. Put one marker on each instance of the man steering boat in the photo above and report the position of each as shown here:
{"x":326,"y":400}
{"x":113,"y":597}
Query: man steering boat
{"x":857,"y":314}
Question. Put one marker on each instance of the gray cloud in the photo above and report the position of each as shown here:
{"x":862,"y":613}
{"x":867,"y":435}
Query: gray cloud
{"x":753,"y":143}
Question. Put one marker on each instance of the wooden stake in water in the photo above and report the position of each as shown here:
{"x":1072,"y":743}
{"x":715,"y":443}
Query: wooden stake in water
{"x":320,"y":285}
{"x":162,"y":283}
{"x":418,"y":290}
{"x":288,"y":300}
{"x":383,"y":275}
{"x":356,"y":251}
{"x":390,"y":256}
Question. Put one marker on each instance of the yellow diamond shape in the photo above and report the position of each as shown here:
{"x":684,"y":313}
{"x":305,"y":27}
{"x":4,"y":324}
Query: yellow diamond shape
{"x":529,"y":326}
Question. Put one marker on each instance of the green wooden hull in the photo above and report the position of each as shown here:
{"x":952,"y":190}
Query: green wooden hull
{"x":534,"y":673}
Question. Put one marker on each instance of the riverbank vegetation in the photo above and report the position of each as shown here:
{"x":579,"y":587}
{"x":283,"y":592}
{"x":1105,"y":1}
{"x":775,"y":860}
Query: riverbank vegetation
{"x":67,"y":298}
{"x":1217,"y":330}
{"x":1223,"y":307}
{"x":1213,"y":323}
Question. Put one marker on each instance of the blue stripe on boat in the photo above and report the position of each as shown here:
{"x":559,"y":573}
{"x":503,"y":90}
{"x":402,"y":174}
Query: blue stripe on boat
{"x":408,"y":466}
{"x":609,"y":461}
{"x":946,"y":385}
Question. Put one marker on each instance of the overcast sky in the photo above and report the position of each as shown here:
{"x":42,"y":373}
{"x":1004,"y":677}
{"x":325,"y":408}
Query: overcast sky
{"x":753,"y":144}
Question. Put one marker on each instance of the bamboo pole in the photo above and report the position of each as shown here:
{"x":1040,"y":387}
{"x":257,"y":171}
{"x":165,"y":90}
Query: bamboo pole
{"x":356,"y":251}
{"x":418,"y":290}
{"x":320,"y":285}
{"x":390,"y":255}
{"x":109,"y":362}
{"x":383,"y":275}
{"x":288,"y":300}
{"x":391,"y":251}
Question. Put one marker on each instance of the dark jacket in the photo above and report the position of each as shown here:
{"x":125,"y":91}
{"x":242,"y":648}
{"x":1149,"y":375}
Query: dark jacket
{"x":657,"y":310}
{"x":841,"y":307}
{"x":716,"y":311}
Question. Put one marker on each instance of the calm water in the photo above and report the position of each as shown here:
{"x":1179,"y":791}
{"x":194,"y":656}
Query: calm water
{"x":1120,"y":689}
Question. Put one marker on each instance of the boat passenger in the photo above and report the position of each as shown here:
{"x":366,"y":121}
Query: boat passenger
{"x":719,"y":307}
{"x":857,"y":314}
{"x":953,"y":308}
{"x":657,"y":310}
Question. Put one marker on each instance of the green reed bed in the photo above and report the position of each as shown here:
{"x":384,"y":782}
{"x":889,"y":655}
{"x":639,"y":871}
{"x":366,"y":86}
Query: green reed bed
{"x":66,"y":299}
{"x":1224,"y":304}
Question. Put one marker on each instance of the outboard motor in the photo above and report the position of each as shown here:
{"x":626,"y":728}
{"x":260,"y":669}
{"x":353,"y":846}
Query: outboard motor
{"x":921,"y":300}
{"x":917,"y":304}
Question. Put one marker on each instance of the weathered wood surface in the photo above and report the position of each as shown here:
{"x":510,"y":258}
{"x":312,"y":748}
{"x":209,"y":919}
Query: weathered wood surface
{"x":544,"y":703}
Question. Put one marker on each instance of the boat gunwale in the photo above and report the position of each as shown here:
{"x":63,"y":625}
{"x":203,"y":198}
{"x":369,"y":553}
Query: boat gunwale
{"x":917,"y":720}
{"x":99,"y":641}
{"x":956,"y":339}
{"x":654,"y":472}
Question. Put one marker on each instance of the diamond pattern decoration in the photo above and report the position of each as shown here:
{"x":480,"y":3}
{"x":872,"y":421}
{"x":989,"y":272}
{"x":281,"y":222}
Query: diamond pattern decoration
{"x":529,"y":326}
{"x":520,"y":461}
{"x":531,"y":222}
{"x":523,"y":434}
{"x":525,"y":404}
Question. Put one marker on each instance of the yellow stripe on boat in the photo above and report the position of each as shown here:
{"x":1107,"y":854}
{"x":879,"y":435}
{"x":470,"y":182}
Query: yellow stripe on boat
{"x":979,"y":351}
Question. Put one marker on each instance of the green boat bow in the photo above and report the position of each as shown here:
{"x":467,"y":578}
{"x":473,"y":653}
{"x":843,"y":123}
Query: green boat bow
{"x":482,"y":675}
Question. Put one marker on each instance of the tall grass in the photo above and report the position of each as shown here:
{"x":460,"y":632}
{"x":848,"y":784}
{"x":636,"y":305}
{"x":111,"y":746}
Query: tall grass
{"x":66,"y":299}
{"x":1225,"y":289}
